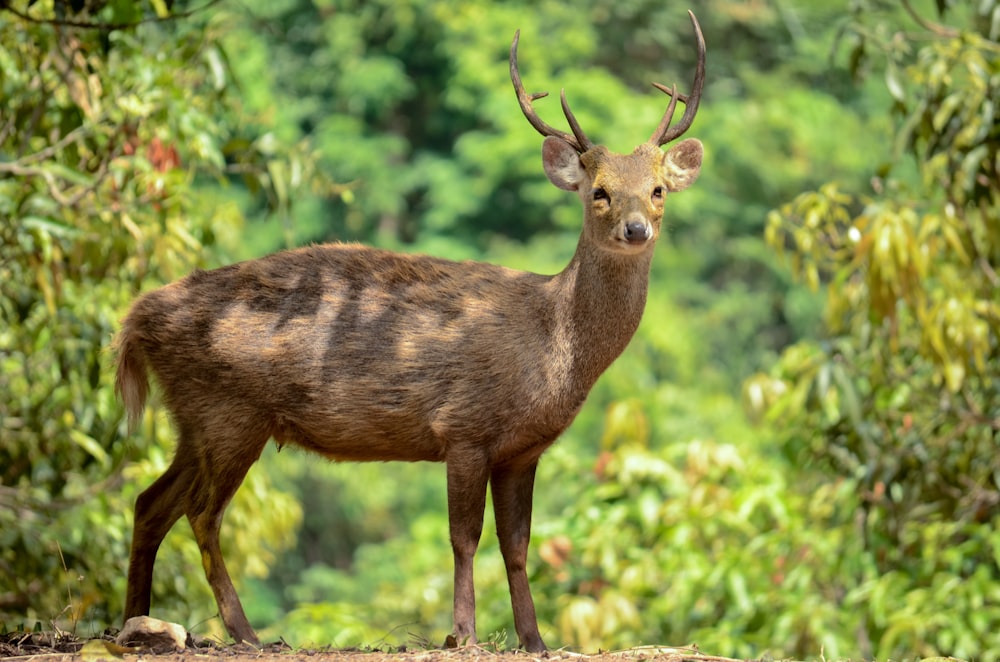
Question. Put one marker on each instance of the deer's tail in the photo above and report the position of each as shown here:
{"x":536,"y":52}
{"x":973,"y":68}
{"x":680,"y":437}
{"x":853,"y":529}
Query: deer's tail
{"x":131,"y":379}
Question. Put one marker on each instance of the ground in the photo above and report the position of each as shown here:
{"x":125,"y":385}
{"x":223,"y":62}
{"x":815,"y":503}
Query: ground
{"x":59,"y":647}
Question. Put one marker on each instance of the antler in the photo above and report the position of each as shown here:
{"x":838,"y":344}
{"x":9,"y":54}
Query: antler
{"x":578,"y":140}
{"x":664,"y":133}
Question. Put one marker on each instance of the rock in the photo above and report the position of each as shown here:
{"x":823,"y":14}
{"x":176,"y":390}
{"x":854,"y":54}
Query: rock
{"x":152,"y":634}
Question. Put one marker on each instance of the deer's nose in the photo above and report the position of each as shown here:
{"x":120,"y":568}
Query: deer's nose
{"x":636,"y":232}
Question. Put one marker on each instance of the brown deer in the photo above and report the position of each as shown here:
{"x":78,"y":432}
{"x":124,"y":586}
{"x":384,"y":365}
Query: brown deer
{"x":362,"y":354}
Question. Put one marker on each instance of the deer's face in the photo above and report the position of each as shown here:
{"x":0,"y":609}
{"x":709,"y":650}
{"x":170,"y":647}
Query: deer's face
{"x":622,"y":194}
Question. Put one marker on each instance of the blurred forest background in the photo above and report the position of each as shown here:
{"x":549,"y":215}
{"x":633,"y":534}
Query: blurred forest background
{"x":798,"y":454}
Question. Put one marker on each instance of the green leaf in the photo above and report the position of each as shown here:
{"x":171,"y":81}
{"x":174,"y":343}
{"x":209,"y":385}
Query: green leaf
{"x":160,"y":7}
{"x":51,"y":226}
{"x":90,"y":445}
{"x":946,"y":110}
{"x":893,"y":83}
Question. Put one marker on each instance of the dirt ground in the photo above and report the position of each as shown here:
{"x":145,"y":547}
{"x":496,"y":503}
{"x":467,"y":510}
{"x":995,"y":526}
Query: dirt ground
{"x":57,"y":647}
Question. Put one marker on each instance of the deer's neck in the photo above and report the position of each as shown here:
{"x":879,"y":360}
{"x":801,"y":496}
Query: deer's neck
{"x":603,"y":295}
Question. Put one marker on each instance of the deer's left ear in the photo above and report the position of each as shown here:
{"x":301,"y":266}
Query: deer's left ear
{"x":682,"y":164}
{"x":562,"y":163}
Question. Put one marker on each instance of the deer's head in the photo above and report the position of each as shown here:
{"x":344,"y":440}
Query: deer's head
{"x":622,"y":194}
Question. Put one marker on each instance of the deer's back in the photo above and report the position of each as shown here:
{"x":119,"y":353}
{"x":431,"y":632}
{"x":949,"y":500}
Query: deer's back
{"x":364,"y":354}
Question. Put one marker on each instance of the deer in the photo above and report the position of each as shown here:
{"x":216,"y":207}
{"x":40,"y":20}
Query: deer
{"x":361,"y":354}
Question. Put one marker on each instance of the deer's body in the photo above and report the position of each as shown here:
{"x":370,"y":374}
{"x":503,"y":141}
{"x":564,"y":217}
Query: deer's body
{"x":361,"y":354}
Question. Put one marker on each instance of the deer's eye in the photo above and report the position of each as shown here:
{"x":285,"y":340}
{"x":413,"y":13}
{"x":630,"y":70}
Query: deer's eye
{"x":658,"y":193}
{"x":601,"y":194}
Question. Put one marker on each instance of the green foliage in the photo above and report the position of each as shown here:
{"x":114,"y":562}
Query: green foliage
{"x":103,"y":138}
{"x":903,"y":392}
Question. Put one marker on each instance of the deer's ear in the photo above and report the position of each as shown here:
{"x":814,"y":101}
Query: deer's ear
{"x":682,"y":164}
{"x":562,"y":163}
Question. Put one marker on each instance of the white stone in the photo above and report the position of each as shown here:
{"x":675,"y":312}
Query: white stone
{"x":153,"y":634}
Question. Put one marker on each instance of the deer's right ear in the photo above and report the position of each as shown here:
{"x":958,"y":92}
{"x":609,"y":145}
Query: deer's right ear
{"x":682,"y":164}
{"x":562,"y":163}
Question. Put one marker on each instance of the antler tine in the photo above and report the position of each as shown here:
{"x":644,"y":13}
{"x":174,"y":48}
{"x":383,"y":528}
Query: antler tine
{"x":664,"y":133}
{"x":578,"y":139}
{"x":581,"y":138}
{"x":661,"y":129}
{"x":671,"y":91}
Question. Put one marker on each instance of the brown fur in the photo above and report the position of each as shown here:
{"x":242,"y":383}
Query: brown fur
{"x":362,"y":354}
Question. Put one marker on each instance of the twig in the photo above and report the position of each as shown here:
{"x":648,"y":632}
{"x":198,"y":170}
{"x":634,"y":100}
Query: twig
{"x":936,"y":28}
{"x":991,"y":274}
{"x":31,"y":171}
{"x":58,"y":194}
{"x":54,"y":147}
{"x":107,"y":26}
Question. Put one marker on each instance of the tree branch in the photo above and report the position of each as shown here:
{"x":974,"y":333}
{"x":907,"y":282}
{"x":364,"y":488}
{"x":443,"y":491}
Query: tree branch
{"x":936,"y":28}
{"x":105,"y":26}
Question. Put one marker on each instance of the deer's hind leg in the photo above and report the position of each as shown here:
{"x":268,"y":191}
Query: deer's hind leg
{"x":225,"y":456}
{"x":156,"y":511}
